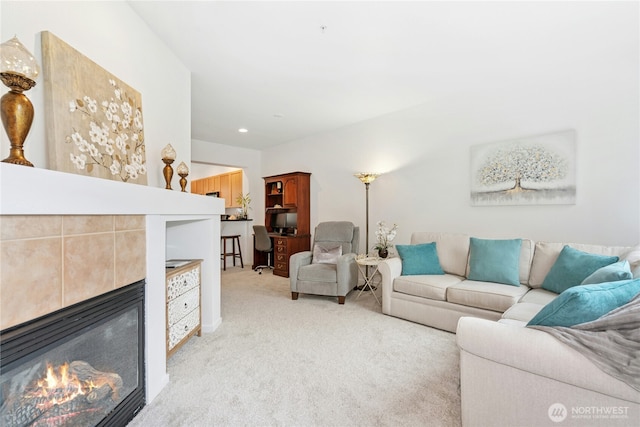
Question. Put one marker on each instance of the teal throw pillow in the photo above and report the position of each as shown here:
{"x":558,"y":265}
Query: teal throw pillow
{"x":581,"y":304}
{"x":572,"y":267}
{"x":620,"y":270}
{"x":419,"y":259}
{"x":495,"y":261}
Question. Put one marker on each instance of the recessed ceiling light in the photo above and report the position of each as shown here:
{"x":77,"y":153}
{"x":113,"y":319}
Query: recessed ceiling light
{"x":243,"y":130}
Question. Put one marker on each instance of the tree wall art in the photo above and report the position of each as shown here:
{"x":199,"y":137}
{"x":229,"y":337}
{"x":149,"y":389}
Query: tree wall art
{"x":525,"y":171}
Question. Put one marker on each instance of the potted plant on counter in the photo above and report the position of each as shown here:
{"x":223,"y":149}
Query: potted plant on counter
{"x":244,"y":201}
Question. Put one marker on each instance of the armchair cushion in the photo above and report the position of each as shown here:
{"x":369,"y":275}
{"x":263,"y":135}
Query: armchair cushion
{"x":318,"y":273}
{"x":326,"y":253}
{"x":334,"y":233}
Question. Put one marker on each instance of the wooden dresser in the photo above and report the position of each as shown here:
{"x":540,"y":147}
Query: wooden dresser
{"x":286,"y":193}
{"x":183,"y":303}
{"x":283,"y":248}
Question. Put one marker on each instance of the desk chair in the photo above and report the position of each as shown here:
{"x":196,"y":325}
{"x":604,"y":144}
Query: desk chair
{"x":263,"y":244}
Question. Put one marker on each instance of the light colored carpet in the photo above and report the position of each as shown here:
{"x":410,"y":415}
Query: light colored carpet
{"x":310,"y":362}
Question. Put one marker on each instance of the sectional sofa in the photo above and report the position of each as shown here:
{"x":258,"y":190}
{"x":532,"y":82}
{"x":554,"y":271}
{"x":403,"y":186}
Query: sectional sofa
{"x":510,"y":374}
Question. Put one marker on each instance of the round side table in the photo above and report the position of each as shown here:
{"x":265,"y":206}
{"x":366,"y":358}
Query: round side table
{"x":363,"y":264}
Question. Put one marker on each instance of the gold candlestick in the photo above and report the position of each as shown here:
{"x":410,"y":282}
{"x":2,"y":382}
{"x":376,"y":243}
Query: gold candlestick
{"x":183,"y":171}
{"x":168,"y":156}
{"x":18,"y":72}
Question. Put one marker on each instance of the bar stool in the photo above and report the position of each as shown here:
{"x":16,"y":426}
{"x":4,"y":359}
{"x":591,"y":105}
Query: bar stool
{"x":234,"y":238}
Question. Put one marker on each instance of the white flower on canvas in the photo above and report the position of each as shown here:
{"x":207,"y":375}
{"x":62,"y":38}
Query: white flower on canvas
{"x":114,"y":135}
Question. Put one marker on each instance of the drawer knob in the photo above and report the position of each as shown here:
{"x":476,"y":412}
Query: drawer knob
{"x":186,"y":327}
{"x":185,"y":305}
{"x":185,"y":282}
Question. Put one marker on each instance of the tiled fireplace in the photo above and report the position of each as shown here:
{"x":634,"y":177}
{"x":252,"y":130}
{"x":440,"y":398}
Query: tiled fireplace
{"x":66,"y":238}
{"x":53,"y":261}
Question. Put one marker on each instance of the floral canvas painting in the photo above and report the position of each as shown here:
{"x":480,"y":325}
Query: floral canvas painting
{"x":93,"y":119}
{"x":525,"y":171}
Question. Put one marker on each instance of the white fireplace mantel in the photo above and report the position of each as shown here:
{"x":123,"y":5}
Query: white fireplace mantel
{"x":178,"y":225}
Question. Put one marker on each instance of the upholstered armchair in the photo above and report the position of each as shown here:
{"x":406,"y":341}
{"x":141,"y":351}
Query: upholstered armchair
{"x":330,"y":267}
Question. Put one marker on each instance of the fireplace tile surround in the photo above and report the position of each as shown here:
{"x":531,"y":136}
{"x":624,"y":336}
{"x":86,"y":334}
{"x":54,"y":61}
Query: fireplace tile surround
{"x":58,"y":260}
{"x":49,"y":219}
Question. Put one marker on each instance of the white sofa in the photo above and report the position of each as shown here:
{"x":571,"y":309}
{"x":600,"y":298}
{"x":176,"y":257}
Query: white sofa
{"x":510,"y":375}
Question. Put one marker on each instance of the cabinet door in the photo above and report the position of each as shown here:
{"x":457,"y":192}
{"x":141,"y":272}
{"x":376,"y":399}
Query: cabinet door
{"x":215,"y":183}
{"x":225,"y":190}
{"x":290,"y":192}
{"x":196,"y":186}
{"x":236,"y":187}
{"x":208,"y":185}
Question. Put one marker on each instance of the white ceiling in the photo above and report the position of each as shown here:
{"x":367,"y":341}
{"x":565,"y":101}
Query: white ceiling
{"x":286,"y":70}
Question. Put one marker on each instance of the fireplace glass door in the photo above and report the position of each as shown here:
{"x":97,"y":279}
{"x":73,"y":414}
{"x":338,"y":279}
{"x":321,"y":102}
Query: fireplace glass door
{"x":85,"y":373}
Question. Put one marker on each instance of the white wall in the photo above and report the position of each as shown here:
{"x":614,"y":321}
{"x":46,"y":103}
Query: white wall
{"x":111,"y":34}
{"x":205,"y":170}
{"x":424,"y":151}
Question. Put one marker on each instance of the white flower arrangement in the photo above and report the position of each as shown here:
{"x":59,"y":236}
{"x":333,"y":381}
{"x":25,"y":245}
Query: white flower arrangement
{"x":385,"y":235}
{"x":115,"y":133}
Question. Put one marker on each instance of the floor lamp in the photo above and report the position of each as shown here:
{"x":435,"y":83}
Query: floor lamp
{"x":367,"y":178}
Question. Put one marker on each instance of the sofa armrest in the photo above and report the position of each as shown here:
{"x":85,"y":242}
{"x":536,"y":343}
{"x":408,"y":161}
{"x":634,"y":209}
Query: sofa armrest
{"x":537,"y":366}
{"x":296,"y":261}
{"x":389,"y":269}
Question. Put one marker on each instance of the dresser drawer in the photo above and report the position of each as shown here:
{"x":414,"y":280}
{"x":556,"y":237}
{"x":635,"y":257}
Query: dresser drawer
{"x":280,"y":242}
{"x":182,"y":305}
{"x":183,"y":327}
{"x":183,"y":282}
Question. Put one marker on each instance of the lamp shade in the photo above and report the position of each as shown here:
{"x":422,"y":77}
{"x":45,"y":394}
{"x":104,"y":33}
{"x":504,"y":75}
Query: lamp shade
{"x":183,"y":169}
{"x":15,"y":58}
{"x":367,"y":177}
{"x":168,"y":152}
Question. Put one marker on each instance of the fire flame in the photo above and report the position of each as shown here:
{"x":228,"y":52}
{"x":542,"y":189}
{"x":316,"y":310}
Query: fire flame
{"x":59,"y":386}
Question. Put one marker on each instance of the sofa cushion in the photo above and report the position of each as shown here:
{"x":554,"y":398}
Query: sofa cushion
{"x":495,"y":261}
{"x":522,"y":311}
{"x":419,"y":259}
{"x":546,"y":254}
{"x":539,"y":296}
{"x":326,"y":253}
{"x":453,"y":249}
{"x":573,"y":266}
{"x":617,"y":271}
{"x":426,"y":286}
{"x":487,"y":295}
{"x":585,"y":303}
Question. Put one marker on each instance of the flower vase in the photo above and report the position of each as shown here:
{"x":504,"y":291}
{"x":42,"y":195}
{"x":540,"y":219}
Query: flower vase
{"x":383,"y":253}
